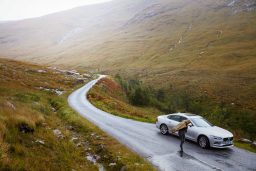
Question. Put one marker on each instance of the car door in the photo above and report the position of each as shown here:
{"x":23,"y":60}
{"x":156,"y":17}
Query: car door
{"x":173,"y":120}
{"x":191,"y":129}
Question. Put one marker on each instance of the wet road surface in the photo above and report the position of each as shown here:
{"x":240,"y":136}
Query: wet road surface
{"x":162,"y":151}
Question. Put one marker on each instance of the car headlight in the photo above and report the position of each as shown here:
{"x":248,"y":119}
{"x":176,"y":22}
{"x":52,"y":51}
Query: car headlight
{"x":216,"y":138}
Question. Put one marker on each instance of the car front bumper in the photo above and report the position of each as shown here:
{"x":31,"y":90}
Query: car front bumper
{"x":221,"y":144}
{"x":227,"y":146}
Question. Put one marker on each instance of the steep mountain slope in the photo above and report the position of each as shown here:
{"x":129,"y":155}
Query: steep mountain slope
{"x":73,"y":31}
{"x":206,"y":45}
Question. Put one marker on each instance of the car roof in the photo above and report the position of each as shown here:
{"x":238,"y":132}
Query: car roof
{"x":188,"y":115}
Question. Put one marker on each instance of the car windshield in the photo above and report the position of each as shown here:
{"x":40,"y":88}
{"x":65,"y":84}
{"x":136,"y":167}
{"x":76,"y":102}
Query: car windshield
{"x":201,"y":122}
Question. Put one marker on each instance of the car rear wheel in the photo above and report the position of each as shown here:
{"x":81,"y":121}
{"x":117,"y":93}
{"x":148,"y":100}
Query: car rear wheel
{"x":203,"y":142}
{"x":164,"y":129}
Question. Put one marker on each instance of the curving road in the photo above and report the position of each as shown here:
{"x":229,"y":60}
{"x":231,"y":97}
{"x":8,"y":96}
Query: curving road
{"x":162,"y":151}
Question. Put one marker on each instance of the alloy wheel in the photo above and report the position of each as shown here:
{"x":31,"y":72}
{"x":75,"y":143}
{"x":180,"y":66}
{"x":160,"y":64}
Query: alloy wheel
{"x":164,"y":129}
{"x":203,"y":142}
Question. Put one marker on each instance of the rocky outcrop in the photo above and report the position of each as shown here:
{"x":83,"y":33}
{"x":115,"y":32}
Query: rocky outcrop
{"x":58,"y":134}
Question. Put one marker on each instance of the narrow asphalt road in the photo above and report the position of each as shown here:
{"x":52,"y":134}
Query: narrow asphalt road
{"x":162,"y":151}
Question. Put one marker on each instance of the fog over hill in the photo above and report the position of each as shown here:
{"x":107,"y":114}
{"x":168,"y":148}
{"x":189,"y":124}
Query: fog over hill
{"x":206,"y":44}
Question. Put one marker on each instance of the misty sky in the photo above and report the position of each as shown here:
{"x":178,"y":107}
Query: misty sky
{"x":21,"y":9}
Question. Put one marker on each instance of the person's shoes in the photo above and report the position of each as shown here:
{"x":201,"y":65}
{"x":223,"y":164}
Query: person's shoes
{"x":181,"y":153}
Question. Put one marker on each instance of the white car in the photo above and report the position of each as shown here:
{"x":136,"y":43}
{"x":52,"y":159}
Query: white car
{"x":200,"y":130}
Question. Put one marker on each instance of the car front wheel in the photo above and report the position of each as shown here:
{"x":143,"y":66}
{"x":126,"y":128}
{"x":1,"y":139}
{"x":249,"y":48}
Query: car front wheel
{"x":203,"y":142}
{"x":164,"y":129}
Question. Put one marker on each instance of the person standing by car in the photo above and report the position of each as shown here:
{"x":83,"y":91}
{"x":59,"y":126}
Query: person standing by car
{"x":182,"y":128}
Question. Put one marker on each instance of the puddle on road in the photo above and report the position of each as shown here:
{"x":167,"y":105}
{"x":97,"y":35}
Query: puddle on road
{"x":180,"y":161}
{"x":189,"y":157}
{"x":223,"y":162}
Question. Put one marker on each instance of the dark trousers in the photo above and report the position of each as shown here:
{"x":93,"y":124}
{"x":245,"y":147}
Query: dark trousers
{"x":182,"y":138}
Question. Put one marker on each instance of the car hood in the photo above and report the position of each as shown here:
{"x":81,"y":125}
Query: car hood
{"x":216,"y":131}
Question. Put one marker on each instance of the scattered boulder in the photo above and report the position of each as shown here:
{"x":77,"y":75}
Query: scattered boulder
{"x":83,"y":144}
{"x":56,"y":91}
{"x":58,"y":134}
{"x":72,"y":72}
{"x":86,"y":75}
{"x":52,"y":67}
{"x":74,"y":139}
{"x":244,"y":140}
{"x":91,"y":158}
{"x":53,"y":109}
{"x":112,"y":164}
{"x":40,"y":142}
{"x":77,"y":74}
{"x":97,"y":137}
{"x":201,"y":53}
{"x":22,"y":83}
{"x":25,"y":128}
{"x":41,"y":71}
{"x":79,"y":144}
{"x":253,"y":144}
{"x":97,"y":157}
{"x":10,"y":105}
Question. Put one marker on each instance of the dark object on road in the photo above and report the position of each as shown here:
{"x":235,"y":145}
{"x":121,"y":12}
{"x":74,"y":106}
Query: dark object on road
{"x":25,"y":128}
{"x":181,"y":153}
{"x":182,"y":128}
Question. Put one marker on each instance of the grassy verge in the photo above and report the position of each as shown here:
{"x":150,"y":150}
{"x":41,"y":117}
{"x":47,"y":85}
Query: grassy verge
{"x":245,"y":146}
{"x":108,"y":96}
{"x":39,"y":131}
{"x":102,"y":145}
